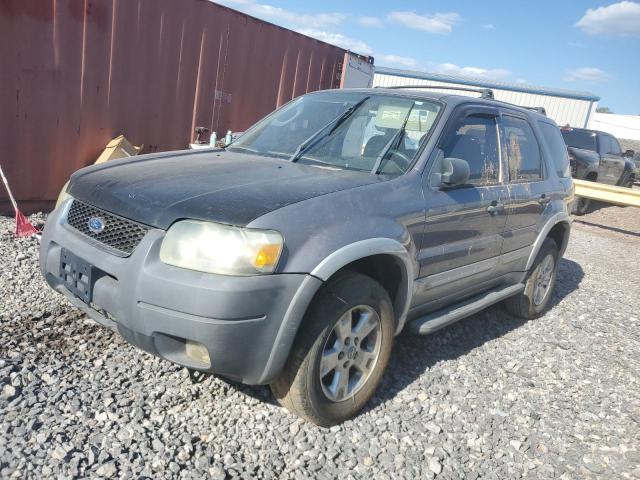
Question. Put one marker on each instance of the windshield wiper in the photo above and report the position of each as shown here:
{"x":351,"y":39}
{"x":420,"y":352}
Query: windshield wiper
{"x":329,"y":128}
{"x":246,"y":149}
{"x":394,"y":142}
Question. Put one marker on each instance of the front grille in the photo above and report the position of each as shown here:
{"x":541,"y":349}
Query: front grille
{"x":119,"y":233}
{"x":574,"y":166}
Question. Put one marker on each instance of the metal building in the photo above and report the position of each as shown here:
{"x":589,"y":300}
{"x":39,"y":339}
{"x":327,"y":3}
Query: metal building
{"x":565,"y":107}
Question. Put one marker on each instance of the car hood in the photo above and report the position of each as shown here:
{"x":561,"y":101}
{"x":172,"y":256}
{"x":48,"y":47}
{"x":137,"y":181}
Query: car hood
{"x":219,"y":186}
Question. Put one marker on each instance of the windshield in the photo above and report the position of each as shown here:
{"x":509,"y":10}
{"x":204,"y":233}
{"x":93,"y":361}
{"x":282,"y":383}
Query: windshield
{"x":580,"y":139}
{"x":354,"y":131}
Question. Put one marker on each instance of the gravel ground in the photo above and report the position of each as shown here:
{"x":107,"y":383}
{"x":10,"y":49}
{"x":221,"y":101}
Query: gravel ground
{"x":625,"y":220}
{"x":490,"y":397}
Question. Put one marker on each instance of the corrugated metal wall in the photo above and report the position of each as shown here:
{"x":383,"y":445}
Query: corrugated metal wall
{"x":76,"y":73}
{"x":562,"y":110}
{"x":620,"y":126}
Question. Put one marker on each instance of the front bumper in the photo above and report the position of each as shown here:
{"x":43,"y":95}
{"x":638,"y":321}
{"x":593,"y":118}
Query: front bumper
{"x":247,"y":324}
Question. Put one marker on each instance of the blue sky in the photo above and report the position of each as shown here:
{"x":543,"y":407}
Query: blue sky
{"x":580,"y":45}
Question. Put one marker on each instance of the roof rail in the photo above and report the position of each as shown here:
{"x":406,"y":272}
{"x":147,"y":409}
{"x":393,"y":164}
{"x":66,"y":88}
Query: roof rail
{"x":540,"y":110}
{"x":484,"y":92}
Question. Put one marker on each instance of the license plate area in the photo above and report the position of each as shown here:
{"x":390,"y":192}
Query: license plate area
{"x":77,"y":275}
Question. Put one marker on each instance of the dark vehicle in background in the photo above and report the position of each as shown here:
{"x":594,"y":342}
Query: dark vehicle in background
{"x":293,"y":256}
{"x":597,"y":157}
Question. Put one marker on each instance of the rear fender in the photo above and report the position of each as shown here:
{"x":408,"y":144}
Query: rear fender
{"x":559,"y":217}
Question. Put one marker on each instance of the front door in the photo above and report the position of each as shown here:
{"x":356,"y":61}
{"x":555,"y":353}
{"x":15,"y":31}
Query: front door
{"x":463,"y":232}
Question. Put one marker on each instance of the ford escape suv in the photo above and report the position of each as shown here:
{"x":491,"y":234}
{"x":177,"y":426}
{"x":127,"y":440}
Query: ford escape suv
{"x":296,"y":254}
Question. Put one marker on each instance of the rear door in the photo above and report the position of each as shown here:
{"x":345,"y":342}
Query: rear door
{"x":528,"y":183}
{"x":603,"y":167}
{"x":611,"y":155}
{"x":606,"y":171}
{"x":463,"y":233}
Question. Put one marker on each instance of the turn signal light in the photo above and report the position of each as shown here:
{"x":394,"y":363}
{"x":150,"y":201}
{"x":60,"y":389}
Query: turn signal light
{"x":267,"y":256}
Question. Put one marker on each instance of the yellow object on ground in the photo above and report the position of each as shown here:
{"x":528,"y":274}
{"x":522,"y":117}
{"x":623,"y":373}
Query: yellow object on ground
{"x":118,"y":147}
{"x":607,"y":193}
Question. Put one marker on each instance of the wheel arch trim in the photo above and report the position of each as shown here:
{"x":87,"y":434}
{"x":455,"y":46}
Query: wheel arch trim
{"x":368,"y":248}
{"x":560,"y":217}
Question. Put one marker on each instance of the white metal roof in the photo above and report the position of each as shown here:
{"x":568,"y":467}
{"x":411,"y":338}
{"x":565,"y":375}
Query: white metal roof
{"x":484,"y":83}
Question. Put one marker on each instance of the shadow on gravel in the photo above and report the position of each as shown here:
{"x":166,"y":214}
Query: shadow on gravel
{"x":609,"y":228}
{"x":596,"y":205}
{"x":414,"y":354}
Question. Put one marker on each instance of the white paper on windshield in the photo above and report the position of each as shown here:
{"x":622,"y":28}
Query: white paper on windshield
{"x":392,"y":116}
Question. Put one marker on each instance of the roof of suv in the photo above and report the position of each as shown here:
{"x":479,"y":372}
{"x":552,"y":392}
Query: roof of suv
{"x":589,"y":130}
{"x":450,"y":98}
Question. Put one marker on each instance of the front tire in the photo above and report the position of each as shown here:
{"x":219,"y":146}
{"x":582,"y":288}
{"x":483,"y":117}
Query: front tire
{"x":341,"y":352}
{"x":534,"y":300}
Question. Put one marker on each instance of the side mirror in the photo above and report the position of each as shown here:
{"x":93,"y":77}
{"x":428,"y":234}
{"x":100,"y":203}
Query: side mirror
{"x":455,"y":171}
{"x":629,"y":154}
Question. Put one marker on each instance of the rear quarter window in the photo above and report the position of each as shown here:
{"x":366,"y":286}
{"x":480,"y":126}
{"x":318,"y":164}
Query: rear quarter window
{"x":558,"y":149}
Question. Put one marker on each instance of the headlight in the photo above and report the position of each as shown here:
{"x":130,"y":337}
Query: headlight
{"x":215,"y":248}
{"x":64,"y":196}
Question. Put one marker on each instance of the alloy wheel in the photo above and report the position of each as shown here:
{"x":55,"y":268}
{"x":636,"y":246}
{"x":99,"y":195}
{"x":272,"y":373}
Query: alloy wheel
{"x":350,"y":353}
{"x":543,"y":281}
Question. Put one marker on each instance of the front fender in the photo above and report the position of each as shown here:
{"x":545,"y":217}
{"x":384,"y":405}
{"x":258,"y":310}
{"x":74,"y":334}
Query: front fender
{"x":321,"y":273}
{"x":367,"y":248}
{"x":586,"y":164}
{"x":325,"y":233}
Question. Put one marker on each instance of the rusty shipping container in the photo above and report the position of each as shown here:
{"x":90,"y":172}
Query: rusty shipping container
{"x":76,"y":73}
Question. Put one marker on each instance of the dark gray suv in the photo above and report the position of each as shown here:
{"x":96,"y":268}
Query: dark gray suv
{"x":597,"y":156}
{"x":295,"y":255}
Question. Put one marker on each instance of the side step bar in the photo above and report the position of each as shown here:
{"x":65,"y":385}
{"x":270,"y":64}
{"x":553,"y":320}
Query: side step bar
{"x":442,"y":318}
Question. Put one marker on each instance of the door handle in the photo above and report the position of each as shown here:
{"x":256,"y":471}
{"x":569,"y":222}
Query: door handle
{"x":543,"y":200}
{"x":495,"y":207}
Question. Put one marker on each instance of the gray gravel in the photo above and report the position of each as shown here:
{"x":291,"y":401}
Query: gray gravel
{"x":490,"y":397}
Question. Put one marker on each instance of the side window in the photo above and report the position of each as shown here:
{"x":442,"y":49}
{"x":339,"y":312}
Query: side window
{"x":604,"y":144}
{"x":557,"y":147}
{"x":476,"y":140}
{"x":615,"y":147}
{"x":521,"y":149}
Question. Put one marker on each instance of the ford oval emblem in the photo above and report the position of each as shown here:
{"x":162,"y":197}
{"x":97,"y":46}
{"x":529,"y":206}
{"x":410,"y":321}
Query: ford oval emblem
{"x":96,"y":224}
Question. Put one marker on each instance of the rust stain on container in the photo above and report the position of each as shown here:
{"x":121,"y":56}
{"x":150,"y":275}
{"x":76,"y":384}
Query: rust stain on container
{"x":76,"y":73}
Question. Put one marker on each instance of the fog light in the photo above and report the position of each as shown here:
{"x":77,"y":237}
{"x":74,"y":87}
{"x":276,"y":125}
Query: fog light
{"x":198,"y":352}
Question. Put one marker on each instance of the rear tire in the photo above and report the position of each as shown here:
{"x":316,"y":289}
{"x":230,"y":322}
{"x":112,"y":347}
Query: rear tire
{"x":534,"y":300}
{"x":581,"y":206}
{"x":340,"y":353}
{"x":627,"y":180}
